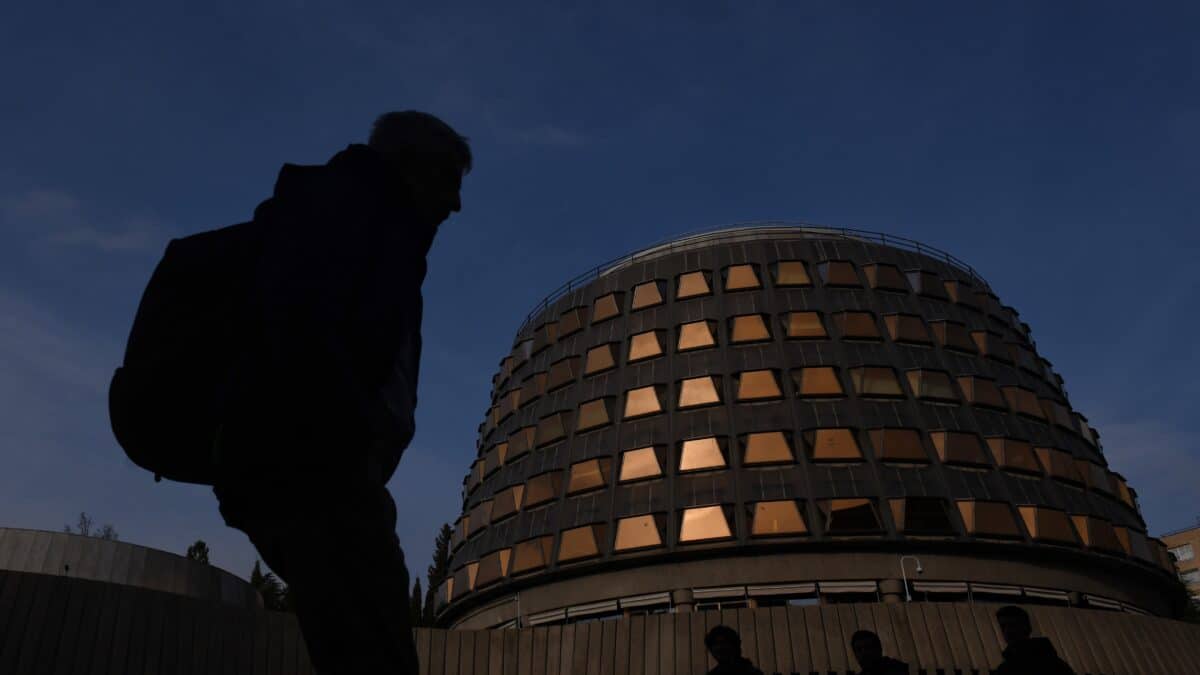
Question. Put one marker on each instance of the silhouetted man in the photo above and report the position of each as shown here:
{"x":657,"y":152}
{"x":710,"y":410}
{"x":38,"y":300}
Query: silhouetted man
{"x":868,"y":650}
{"x":725,"y":645}
{"x":320,"y":406}
{"x":1026,"y":654}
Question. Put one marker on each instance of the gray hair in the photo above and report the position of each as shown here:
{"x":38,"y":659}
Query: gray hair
{"x":411,"y":135}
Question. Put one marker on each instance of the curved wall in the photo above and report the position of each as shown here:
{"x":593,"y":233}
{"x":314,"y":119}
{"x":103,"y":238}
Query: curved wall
{"x":787,"y":390}
{"x":70,"y":555}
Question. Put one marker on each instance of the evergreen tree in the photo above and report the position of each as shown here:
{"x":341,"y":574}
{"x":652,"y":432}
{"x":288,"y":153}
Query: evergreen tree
{"x":273,"y":592}
{"x":198,"y":552}
{"x":437,"y":572}
{"x":415,"y":617}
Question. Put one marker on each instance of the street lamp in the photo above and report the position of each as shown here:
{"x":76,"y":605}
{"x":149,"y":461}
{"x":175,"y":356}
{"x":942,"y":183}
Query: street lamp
{"x":907,"y":595}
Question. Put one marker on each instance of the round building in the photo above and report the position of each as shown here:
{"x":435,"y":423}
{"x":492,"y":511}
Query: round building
{"x":791,"y":415}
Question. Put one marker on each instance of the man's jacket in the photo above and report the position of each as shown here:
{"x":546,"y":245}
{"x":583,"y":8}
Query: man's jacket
{"x":327,"y":385}
{"x":1033,"y":655}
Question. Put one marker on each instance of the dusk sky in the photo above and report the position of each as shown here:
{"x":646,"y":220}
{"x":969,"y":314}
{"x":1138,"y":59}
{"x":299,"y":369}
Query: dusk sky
{"x":1053,"y":146}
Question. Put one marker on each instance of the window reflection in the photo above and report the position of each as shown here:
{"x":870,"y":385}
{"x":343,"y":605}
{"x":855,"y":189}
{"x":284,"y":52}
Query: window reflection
{"x":639,"y":464}
{"x":1023,"y":401}
{"x":593,"y":414}
{"x":777,"y":518}
{"x":493,"y":567}
{"x":982,"y":392}
{"x":953,"y":335}
{"x":932,"y":384}
{"x":748,"y":328}
{"x":541,"y":489}
{"x":591,"y":474}
{"x":520,"y":442}
{"x":766,"y":447}
{"x":580,"y":543}
{"x":898,"y":445}
{"x":990,"y":344}
{"x":571,"y":321}
{"x":551,"y":429}
{"x":921,"y":516}
{"x":704,"y":523}
{"x":805,"y":326}
{"x":817,"y":381}
{"x":698,"y":391}
{"x":691,"y":285}
{"x":907,"y":328}
{"x":1014,"y":455}
{"x":958,"y":447}
{"x":838,"y":273}
{"x":988,"y":518}
{"x":741,"y":277}
{"x":885,"y":277}
{"x":644,"y":346}
{"x":850,"y":516}
{"x":832,"y":445}
{"x":606,"y":307}
{"x":506,"y":502}
{"x":873,"y":381}
{"x":927,"y":283}
{"x":642,"y":401}
{"x":960,"y":292}
{"x":562,"y":373}
{"x":701,"y":453}
{"x":646,"y":295}
{"x":599,"y":359}
{"x":1045,"y":524}
{"x":531,"y":554}
{"x":696,"y":335}
{"x":637,"y":532}
{"x":758,"y":385}
{"x":791,"y":273}
{"x":856,"y":325}
{"x":1059,"y":464}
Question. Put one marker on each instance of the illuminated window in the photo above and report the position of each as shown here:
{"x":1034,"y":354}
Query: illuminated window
{"x":644,"y":346}
{"x":699,"y":454}
{"x":791,"y":273}
{"x":698,"y":391}
{"x":646,"y":295}
{"x":748,"y":328}
{"x":591,"y":474}
{"x":921,"y":516}
{"x":493,"y":459}
{"x":606,"y":307}
{"x":1023,"y":401}
{"x":551,"y":429}
{"x":856,"y":325}
{"x":885,"y":277}
{"x":599,"y":359}
{"x":703,"y":524}
{"x":953,"y":335}
{"x":982,"y":392}
{"x":533,"y":388}
{"x":520,"y":442}
{"x":932,"y":385}
{"x":637,"y":532}
{"x":1099,"y":534}
{"x":907,"y":328}
{"x":464,"y":580}
{"x":927,"y":283}
{"x":775,"y":518}
{"x":805,"y":326}
{"x":766,"y":447}
{"x":493,"y":567}
{"x":580,"y":543}
{"x":1059,"y":464}
{"x":957,"y":447}
{"x":479,"y":517}
{"x":741,"y":277}
{"x":990,"y":345}
{"x":875,"y":382}
{"x":691,"y":285}
{"x":817,"y":381}
{"x":1014,"y":455}
{"x":850,"y":516}
{"x":506,"y":502}
{"x":758,"y":385}
{"x":988,"y":519}
{"x":642,"y":401}
{"x":838,"y":273}
{"x":696,"y":335}
{"x":571,"y":321}
{"x":832,"y":445}
{"x":898,"y":445}
{"x":531,"y":554}
{"x":562,"y":373}
{"x":541,"y":489}
{"x":639,"y":464}
{"x":1048,"y":524}
{"x":960,"y":292}
{"x":593,"y":414}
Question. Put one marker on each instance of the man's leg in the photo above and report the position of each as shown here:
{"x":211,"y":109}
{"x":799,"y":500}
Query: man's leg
{"x":342,"y":561}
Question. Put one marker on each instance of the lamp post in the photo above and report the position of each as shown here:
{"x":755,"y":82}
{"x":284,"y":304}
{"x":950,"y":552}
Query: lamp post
{"x":907,"y":595}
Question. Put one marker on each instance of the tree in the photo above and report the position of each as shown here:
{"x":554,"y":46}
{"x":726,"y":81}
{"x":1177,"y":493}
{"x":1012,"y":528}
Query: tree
{"x":437,"y":572}
{"x":272,"y":590}
{"x":84,"y":528}
{"x":198,"y":552}
{"x":415,"y":617}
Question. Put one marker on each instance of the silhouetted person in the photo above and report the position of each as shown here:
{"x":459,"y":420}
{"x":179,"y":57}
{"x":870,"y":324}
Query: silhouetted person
{"x":320,"y":406}
{"x":725,"y":645}
{"x":868,"y":650}
{"x":1026,"y":654}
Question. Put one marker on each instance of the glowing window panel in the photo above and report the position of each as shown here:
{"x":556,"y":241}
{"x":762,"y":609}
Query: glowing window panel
{"x":699,"y":454}
{"x":817,"y":381}
{"x":704,"y":523}
{"x":599,"y":359}
{"x":605,"y":307}
{"x":833,"y":445}
{"x":692,"y":285}
{"x":644,"y":346}
{"x":591,"y":474}
{"x":637,"y":532}
{"x":805,"y":326}
{"x":957,"y":447}
{"x":646,"y":295}
{"x":639,"y":464}
{"x":642,"y":401}
{"x":898,"y":445}
{"x":876,"y":382}
{"x":741,"y":277}
{"x":776,"y":518}
{"x":698,"y":391}
{"x":580,"y":543}
{"x":749,"y":328}
{"x":758,"y":385}
{"x":791,"y":273}
{"x":696,"y":335}
{"x":767,"y":447}
{"x":592,"y":415}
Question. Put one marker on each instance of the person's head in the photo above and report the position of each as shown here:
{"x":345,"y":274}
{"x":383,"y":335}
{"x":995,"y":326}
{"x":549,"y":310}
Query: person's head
{"x":724,"y":644}
{"x":430,"y":159}
{"x":1014,"y":623}
{"x":867,"y":648}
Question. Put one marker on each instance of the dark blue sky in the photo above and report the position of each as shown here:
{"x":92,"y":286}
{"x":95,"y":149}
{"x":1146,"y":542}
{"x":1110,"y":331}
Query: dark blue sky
{"x":1054,"y":146}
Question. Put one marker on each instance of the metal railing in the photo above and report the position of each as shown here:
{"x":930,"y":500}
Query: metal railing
{"x":778,"y":229}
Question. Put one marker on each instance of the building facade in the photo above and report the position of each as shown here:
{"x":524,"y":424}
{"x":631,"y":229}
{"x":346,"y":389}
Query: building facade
{"x":1184,"y":545}
{"x":773,"y":415}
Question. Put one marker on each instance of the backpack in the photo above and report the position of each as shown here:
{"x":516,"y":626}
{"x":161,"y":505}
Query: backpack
{"x":189,"y":334}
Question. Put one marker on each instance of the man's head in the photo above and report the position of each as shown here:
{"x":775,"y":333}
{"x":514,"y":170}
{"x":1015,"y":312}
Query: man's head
{"x":429,"y":157}
{"x":724,"y":644}
{"x":867,"y":648}
{"x":1014,"y":623}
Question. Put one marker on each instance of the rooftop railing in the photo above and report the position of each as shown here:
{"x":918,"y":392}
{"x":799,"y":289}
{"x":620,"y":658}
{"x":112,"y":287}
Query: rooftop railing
{"x":747,"y":231}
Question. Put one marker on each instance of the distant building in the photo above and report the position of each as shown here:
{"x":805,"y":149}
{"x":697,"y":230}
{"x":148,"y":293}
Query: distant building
{"x":1184,"y":547}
